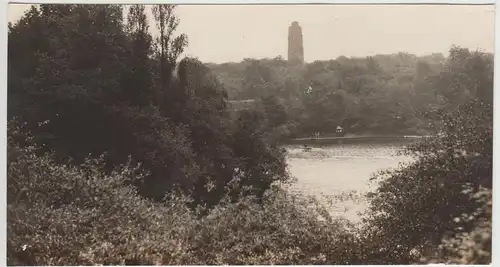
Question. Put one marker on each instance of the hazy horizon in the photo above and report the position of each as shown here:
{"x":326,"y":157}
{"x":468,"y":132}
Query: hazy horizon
{"x":230,"y":33}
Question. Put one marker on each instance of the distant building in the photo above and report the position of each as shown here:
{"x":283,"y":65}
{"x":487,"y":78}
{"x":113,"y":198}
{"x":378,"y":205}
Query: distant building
{"x":295,"y":44}
{"x":339,"y":131}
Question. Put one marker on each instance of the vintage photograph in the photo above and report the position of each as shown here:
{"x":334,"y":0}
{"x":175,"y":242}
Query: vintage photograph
{"x":327,"y":134}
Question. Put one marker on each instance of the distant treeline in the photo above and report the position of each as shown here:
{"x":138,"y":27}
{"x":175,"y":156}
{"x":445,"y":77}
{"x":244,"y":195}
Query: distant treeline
{"x":383,"y":94}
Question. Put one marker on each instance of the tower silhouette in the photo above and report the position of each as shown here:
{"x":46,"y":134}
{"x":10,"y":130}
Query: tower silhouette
{"x":295,"y":45}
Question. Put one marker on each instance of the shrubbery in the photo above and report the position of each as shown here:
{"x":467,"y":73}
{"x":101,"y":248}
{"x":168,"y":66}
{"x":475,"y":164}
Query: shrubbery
{"x":434,"y":198}
{"x":422,"y":212}
{"x":63,"y":215}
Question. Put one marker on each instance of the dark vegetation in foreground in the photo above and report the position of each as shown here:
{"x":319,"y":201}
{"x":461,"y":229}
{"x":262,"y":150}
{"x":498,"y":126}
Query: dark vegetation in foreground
{"x":117,"y":154}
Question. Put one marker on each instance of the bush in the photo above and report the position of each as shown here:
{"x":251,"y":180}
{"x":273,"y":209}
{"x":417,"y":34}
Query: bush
{"x":67,"y":215}
{"x":433,"y":198}
{"x":472,"y":247}
{"x":283,"y":229}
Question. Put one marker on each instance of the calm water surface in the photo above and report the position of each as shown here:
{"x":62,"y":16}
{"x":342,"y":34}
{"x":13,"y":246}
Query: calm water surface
{"x":339,"y":174}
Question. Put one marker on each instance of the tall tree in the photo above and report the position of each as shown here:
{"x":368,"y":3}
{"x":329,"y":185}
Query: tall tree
{"x":138,"y":80}
{"x":168,"y":47}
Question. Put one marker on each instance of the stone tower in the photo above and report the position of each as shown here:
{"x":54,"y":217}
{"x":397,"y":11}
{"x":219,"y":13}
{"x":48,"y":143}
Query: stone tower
{"x":295,"y":46}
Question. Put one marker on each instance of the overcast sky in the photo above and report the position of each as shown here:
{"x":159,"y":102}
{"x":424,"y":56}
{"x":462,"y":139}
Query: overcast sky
{"x":220,"y":33}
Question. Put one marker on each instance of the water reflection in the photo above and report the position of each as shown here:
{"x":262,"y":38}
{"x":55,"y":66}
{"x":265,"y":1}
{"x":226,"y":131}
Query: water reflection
{"x":339,"y":174}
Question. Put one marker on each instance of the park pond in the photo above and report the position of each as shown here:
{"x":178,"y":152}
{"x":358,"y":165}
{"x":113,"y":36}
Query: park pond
{"x":339,"y":175}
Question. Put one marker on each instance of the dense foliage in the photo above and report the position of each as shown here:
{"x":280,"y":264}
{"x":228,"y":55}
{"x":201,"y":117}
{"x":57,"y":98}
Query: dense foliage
{"x":61,"y":214}
{"x":105,"y":121}
{"x":446,"y":192}
{"x":86,"y":81}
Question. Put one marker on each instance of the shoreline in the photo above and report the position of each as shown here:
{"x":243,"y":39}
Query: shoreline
{"x":353,"y":139}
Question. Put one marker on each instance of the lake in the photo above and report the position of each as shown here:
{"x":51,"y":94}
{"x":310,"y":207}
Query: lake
{"x":339,"y":174}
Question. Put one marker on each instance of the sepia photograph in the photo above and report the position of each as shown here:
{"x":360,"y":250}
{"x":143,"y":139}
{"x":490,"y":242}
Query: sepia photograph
{"x":257,"y":134}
